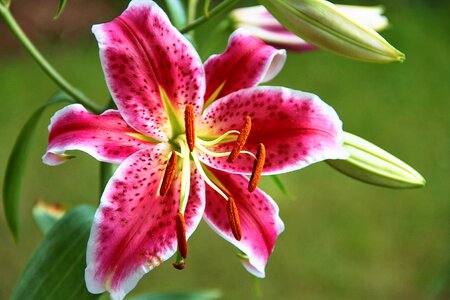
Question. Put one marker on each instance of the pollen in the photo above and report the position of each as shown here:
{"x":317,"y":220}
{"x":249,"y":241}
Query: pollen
{"x":257,"y":168}
{"x":233,"y":219}
{"x":189,"y":120}
{"x":168,"y":174}
{"x":181,"y":235}
{"x":242,"y":138}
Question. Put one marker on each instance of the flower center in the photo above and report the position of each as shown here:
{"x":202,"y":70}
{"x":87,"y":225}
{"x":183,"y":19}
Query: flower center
{"x":188,"y":146}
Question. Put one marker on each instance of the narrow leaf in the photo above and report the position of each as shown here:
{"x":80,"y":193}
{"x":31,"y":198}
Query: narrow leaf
{"x":47,"y":214}
{"x":56,"y":269}
{"x":177,"y":13}
{"x":280,"y":185}
{"x":16,"y":167}
{"x":192,"y":295}
{"x":61,"y":6}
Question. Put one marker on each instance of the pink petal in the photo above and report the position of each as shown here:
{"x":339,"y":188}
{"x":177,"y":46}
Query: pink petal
{"x":134,"y":228}
{"x":280,"y":38}
{"x":259,"y":218}
{"x":296,"y":128}
{"x":106,"y":137}
{"x":246,"y":62}
{"x":142,"y":52}
{"x":259,"y":22}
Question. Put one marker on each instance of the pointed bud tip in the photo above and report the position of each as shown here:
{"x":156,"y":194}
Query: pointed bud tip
{"x":371,"y":164}
{"x":401,"y":57}
{"x":323,"y":24}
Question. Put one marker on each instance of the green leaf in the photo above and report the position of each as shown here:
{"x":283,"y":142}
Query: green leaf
{"x":280,"y":185}
{"x":106,"y":172}
{"x":177,"y":13}
{"x":61,"y":6}
{"x":16,"y":167}
{"x":56,"y":269}
{"x":193,"y":295}
{"x":47,"y":214}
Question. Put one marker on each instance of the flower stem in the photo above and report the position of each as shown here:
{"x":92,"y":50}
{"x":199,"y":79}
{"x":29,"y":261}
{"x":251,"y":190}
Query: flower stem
{"x":224,"y":5}
{"x":6,"y":3}
{"x":43,"y":63}
{"x":192,"y":10}
{"x":106,"y":172}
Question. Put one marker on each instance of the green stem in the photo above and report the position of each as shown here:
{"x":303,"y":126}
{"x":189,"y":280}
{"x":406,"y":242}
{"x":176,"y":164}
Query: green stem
{"x":43,"y":63}
{"x":191,"y":13}
{"x":6,"y":3}
{"x":106,"y":169}
{"x":106,"y":172}
{"x":223,"y":6}
{"x":206,"y":8}
{"x":192,"y":10}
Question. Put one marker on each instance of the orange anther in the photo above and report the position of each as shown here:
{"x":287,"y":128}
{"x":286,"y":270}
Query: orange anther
{"x":257,"y":168}
{"x":233,"y":219}
{"x":168,"y":174}
{"x":189,"y":122}
{"x":242,"y":138}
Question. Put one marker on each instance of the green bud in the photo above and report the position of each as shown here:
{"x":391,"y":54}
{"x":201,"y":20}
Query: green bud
{"x":319,"y":22}
{"x":372,"y":164}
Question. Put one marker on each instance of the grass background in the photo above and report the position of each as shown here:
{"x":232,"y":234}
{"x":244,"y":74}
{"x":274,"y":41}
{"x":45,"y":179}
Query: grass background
{"x":343,"y":239}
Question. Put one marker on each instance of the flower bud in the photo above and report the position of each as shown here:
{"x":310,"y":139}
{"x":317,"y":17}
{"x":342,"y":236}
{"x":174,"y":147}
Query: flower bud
{"x":263,"y":25}
{"x":321,"y":23}
{"x":372,"y":164}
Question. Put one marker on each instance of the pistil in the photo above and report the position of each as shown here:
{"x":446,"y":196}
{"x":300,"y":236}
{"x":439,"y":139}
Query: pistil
{"x":179,"y":263}
{"x":242,"y":138}
{"x":258,"y":166}
{"x":168,"y":174}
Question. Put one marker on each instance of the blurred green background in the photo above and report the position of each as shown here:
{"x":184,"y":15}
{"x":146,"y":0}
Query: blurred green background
{"x":343,"y":239}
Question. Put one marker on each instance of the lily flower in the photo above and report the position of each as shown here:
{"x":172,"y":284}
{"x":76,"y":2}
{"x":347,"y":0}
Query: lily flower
{"x":185,"y":135}
{"x":259,"y":21}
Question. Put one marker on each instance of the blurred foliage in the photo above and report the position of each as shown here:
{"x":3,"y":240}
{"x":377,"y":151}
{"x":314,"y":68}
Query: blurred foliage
{"x":343,"y":239}
{"x":56,"y":269}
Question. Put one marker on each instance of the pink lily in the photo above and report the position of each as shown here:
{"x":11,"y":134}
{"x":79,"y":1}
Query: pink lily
{"x":263,"y":25}
{"x":185,"y":135}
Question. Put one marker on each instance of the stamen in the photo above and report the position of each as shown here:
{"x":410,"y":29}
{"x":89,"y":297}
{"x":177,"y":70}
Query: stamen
{"x":185,"y":175}
{"x":257,"y":168}
{"x":206,"y":178}
{"x":220,"y":138}
{"x":181,"y":235}
{"x":189,"y":120}
{"x":168,"y":174}
{"x":233,"y":219}
{"x":221,"y":154}
{"x":242,"y":138}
